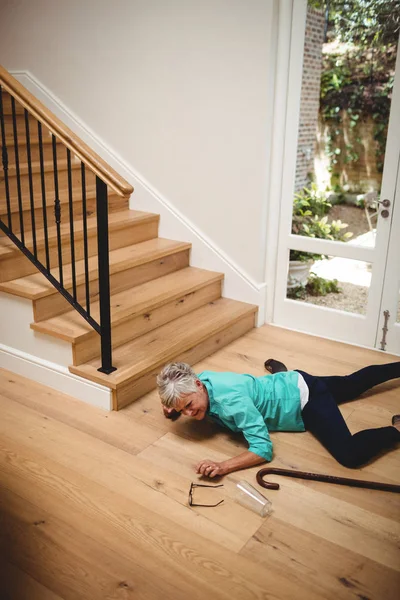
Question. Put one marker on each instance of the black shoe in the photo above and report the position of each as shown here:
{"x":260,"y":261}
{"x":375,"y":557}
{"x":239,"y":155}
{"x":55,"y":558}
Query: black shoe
{"x":274,"y":366}
{"x":395,"y":420}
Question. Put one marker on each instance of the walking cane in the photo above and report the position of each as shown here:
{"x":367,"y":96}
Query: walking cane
{"x":372,"y":485}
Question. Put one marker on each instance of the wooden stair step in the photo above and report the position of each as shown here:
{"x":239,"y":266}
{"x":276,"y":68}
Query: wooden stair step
{"x":20,"y":125}
{"x":33,"y":138}
{"x":136,"y":311}
{"x":115,"y":204}
{"x":36,"y":286}
{"x":177,"y":340}
{"x":124,"y":230}
{"x":34,"y":153}
{"x":116,"y":222}
{"x":6,"y":97}
{"x":63,"y":197}
{"x":20,"y":117}
{"x":62,"y":182}
{"x":48,"y":166}
{"x":144,"y":298}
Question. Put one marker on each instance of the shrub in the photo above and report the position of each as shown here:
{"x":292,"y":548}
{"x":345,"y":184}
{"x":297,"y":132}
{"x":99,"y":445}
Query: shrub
{"x":315,"y":286}
{"x":310,"y":208}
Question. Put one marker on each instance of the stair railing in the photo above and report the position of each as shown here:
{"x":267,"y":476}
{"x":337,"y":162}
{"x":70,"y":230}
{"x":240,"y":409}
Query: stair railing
{"x":20,"y":225}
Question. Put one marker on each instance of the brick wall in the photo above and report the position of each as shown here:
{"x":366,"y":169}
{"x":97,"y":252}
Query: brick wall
{"x":354,"y":177}
{"x":309,"y":96}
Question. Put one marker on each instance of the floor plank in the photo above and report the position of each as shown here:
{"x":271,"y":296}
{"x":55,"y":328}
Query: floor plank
{"x":149,"y":540}
{"x":66,"y":558}
{"x":93,"y":505}
{"x":15,"y":584}
{"x":315,"y":561}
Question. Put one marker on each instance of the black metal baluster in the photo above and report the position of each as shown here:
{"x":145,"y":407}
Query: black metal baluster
{"x":104,"y":276}
{"x":71,"y":224}
{"x":104,"y":327}
{"x":5,"y":160}
{"x":85,"y":239}
{"x":28,"y":154}
{"x":44,"y":208}
{"x":57,"y":210}
{"x":17,"y":170}
{"x":50,"y":277}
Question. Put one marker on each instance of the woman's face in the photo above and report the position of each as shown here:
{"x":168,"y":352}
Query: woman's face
{"x":194,"y":405}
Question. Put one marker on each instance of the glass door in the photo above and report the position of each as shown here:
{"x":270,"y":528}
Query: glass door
{"x":342,"y":150}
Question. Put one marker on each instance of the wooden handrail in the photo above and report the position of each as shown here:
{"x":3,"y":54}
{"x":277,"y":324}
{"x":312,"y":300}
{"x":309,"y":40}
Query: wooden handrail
{"x":67,"y":137}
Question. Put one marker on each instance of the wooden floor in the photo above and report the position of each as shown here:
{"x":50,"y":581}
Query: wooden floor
{"x":94,"y":505}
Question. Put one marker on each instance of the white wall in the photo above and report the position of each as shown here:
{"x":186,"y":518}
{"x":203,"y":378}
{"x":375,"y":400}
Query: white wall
{"x":180,"y":89}
{"x":40,"y":357}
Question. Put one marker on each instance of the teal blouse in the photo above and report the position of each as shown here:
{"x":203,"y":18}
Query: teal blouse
{"x":255,"y":405}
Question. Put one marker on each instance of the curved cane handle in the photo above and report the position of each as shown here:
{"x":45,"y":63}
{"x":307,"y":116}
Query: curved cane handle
{"x":372,"y":485}
{"x":268,"y":484}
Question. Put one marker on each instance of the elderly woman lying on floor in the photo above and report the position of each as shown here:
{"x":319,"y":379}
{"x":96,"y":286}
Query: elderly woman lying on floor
{"x":283,"y":401}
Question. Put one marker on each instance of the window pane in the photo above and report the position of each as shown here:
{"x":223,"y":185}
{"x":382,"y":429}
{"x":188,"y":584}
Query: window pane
{"x":348,"y":67}
{"x":334,"y":282}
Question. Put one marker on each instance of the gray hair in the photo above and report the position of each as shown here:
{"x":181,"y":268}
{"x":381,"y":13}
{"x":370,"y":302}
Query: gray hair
{"x":175,"y":381}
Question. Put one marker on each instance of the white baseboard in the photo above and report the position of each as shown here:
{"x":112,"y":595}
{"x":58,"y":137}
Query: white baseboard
{"x":334,"y":339}
{"x":54,"y":376}
{"x":173,"y":224}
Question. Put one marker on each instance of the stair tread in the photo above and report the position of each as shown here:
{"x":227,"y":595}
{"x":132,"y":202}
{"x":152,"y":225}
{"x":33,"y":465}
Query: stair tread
{"x":34,"y":139}
{"x":154,"y":349}
{"x":116,"y":220}
{"x":76,"y":195}
{"x":37,"y":286}
{"x":143,"y":298}
{"x":48,"y":167}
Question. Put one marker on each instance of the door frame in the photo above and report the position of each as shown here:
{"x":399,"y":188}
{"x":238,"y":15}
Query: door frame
{"x":292,"y":314}
{"x":391,"y":289}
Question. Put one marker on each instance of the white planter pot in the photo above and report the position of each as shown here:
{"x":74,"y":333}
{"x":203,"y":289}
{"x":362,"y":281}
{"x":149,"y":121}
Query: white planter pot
{"x":299,"y":272}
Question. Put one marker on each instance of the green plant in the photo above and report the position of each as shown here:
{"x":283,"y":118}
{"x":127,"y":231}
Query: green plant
{"x":359,"y":58}
{"x":319,"y":227}
{"x":319,"y":286}
{"x":362,"y":22}
{"x":310,"y":218}
{"x":360,"y":202}
{"x":304,"y":256}
{"x":310,"y":201}
{"x":356,"y":85}
{"x":315,"y":286}
{"x":357,"y":75}
{"x":296,"y":293}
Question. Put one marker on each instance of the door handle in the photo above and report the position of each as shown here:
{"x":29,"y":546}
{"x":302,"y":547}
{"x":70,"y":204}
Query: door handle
{"x":385,"y":203}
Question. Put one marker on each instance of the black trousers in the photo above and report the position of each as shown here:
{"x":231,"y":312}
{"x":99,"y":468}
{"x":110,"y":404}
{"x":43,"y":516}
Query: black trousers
{"x":323,"y":418}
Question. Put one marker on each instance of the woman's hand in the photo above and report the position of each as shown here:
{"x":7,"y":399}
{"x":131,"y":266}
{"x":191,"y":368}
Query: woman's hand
{"x":209,"y":468}
{"x":170,"y":413}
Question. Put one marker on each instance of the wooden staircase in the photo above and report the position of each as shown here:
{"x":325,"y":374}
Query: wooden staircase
{"x":162,"y":309}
